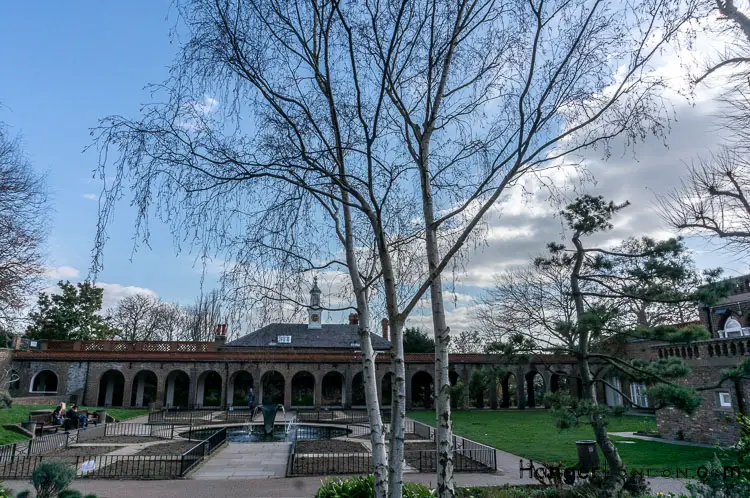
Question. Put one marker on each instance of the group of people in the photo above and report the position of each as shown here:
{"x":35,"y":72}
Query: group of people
{"x":73,"y":418}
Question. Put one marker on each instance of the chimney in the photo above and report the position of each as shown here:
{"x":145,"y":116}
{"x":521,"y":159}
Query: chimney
{"x":221,"y":334}
{"x":353,"y":319}
{"x":384,"y":324}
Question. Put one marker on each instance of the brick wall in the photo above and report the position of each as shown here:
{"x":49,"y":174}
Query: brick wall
{"x":710,"y":424}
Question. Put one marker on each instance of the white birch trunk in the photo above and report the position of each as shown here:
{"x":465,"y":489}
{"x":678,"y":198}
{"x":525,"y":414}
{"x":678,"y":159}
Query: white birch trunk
{"x":398,"y":413}
{"x":377,"y":436}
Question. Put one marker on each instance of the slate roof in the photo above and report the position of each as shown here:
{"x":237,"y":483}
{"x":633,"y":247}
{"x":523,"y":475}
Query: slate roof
{"x":330,"y":336}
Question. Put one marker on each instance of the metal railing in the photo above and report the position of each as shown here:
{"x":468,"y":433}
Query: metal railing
{"x":200,"y":416}
{"x":321,"y":464}
{"x":336,"y":416}
{"x":463,"y":460}
{"x":19,"y":460}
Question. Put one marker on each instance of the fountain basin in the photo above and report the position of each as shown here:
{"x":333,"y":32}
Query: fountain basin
{"x":255,"y":433}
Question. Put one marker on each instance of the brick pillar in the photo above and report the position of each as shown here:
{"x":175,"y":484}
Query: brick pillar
{"x":319,"y":389}
{"x":287,"y":390}
{"x":408,"y":390}
{"x":493,"y":394}
{"x":224,"y":387}
{"x":465,"y":381}
{"x":520,"y":390}
{"x":193,"y":372}
{"x":128,"y":390}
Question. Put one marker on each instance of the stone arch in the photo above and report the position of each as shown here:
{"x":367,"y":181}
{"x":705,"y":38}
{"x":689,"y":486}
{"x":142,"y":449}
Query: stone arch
{"x":144,"y":389}
{"x":177,"y":389}
{"x":358,"y":390}
{"x":535,"y":389}
{"x":509,"y":390}
{"x":386,"y":389}
{"x":44,"y":381}
{"x":272,"y":384}
{"x":422,"y":387}
{"x":453,"y":377}
{"x":303,"y":389}
{"x":560,"y":381}
{"x":332,"y":389}
{"x":111,"y":388}
{"x":208,"y":388}
{"x":240,"y":383}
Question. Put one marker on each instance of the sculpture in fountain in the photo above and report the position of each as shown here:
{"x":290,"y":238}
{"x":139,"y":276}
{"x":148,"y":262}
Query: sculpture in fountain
{"x":269,"y":410}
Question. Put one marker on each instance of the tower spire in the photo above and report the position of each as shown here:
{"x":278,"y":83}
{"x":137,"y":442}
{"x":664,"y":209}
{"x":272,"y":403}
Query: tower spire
{"x":313,"y":312}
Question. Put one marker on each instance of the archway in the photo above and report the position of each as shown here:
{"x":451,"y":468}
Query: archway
{"x":144,"y":388}
{"x":421,"y":390}
{"x":44,"y":382}
{"x":559,"y":381}
{"x":209,"y":389}
{"x":386,"y":390}
{"x":111,"y":388}
{"x":177,"y":391}
{"x":534,"y":389}
{"x":453,"y":377}
{"x":508,"y":386}
{"x":241,"y":383}
{"x":332,"y":387}
{"x":358,"y":390}
{"x":303,"y":389}
{"x":272,"y":388}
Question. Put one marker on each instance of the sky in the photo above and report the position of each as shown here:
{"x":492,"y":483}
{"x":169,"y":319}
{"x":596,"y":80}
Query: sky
{"x":65,"y":65}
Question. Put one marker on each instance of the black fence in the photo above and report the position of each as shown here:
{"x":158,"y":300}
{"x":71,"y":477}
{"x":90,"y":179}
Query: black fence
{"x":321,"y":464}
{"x":463,"y":460}
{"x":19,"y":460}
{"x":200,"y":416}
{"x":334,"y":416}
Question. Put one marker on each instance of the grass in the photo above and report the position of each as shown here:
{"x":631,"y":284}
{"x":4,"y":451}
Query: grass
{"x":532,"y":434}
{"x":19,"y":413}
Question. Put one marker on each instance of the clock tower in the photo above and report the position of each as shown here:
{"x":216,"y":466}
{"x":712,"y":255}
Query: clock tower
{"x":314,"y":313}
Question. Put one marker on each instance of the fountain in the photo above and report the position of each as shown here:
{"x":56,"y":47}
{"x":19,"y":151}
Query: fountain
{"x":269,"y":410}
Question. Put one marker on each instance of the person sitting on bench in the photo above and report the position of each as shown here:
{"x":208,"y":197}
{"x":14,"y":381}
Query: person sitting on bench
{"x":59,"y":414}
{"x":77,"y":420}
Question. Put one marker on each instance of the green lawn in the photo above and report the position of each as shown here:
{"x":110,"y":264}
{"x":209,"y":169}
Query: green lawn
{"x":532,"y":434}
{"x":19,"y":413}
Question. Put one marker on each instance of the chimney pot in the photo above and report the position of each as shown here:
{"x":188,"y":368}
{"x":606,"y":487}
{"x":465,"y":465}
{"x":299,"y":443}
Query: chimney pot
{"x":353,"y":319}
{"x":384,"y":324}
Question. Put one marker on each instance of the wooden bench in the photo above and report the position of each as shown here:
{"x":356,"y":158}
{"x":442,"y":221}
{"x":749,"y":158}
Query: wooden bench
{"x":45,"y":422}
{"x":73,"y":424}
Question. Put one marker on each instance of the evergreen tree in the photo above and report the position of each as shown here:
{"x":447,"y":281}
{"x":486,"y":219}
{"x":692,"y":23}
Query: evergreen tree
{"x":416,"y":340}
{"x":71,"y":314}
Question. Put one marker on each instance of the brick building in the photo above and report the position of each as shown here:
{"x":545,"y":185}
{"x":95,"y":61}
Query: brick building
{"x":311,"y":365}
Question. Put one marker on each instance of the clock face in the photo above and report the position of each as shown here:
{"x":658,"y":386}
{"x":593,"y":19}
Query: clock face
{"x":314,"y":317}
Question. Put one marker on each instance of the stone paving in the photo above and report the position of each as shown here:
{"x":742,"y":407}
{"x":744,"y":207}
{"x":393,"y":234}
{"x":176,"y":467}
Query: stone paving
{"x":245,"y":461}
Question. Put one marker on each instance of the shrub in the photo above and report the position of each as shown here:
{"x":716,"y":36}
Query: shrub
{"x":5,"y":400}
{"x":364,"y":487}
{"x":50,"y":478}
{"x":456,"y":394}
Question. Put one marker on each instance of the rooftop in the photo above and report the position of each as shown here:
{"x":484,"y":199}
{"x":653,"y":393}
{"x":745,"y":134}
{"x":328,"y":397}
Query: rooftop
{"x":299,"y":335}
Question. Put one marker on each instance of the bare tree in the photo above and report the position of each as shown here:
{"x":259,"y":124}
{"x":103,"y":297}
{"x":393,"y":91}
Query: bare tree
{"x":23,"y":216}
{"x":483,"y":93}
{"x":293,"y":135}
{"x":713,"y":198}
{"x":136,"y":318}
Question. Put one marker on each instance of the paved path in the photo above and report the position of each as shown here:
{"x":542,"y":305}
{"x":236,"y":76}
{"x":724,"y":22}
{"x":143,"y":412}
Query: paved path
{"x":271,"y":488}
{"x":245,"y":461}
{"x":633,"y":435}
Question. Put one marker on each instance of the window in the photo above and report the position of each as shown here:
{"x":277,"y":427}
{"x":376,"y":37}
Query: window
{"x":638,"y":394}
{"x":284,"y":339}
{"x":725,"y":399}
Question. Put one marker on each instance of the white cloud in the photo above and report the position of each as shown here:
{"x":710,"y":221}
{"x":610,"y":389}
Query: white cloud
{"x":62,"y":273}
{"x":114,"y":293}
{"x":91,"y":197}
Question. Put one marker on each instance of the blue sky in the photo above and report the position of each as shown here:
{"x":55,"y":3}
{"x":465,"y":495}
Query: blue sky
{"x":65,"y":65}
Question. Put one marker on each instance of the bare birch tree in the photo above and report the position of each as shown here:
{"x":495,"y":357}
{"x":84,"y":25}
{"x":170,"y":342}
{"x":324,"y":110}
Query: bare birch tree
{"x":279,"y":114}
{"x":23,"y":216}
{"x":485,"y":92}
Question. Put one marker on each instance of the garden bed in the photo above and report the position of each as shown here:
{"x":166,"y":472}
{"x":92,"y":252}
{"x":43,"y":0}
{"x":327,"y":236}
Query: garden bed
{"x":125,"y":439}
{"x":330,"y":446}
{"x":171,"y":448}
{"x":83,"y":450}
